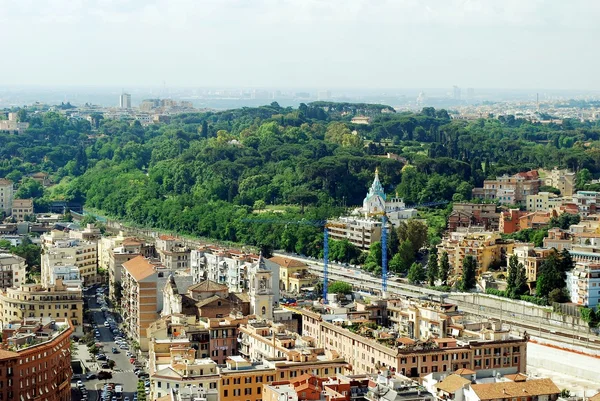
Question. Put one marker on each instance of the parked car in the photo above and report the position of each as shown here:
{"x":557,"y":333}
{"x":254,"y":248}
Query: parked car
{"x":91,"y":376}
{"x":115,"y":350}
{"x":105,"y":366}
{"x":101,"y":357}
{"x":79,"y":383}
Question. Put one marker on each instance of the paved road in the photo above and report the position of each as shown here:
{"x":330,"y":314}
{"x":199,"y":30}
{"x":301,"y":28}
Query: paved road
{"x":123,"y":370}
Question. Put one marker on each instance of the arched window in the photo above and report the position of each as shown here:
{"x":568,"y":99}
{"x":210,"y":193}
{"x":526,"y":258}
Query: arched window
{"x":264,"y":310}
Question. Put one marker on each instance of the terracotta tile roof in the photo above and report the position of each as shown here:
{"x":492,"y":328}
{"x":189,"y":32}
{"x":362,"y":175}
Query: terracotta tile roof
{"x":167,"y":238}
{"x":4,"y":181}
{"x":210,"y":300}
{"x":132,"y":241}
{"x":452,"y":383}
{"x":286,"y":262}
{"x":164,"y":398}
{"x":207,"y":286}
{"x":405,"y":341}
{"x":464,"y":371}
{"x":500,"y":390}
{"x":519,"y":377}
{"x":4,"y":354}
{"x":139,"y":268}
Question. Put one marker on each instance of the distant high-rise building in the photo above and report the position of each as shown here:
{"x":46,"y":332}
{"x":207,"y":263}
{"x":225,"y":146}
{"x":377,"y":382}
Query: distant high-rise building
{"x":470,"y":93}
{"x":125,"y":101}
{"x":456,"y":92}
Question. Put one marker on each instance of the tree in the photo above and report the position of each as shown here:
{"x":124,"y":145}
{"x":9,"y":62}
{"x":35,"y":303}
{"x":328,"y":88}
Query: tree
{"x":373,"y":261}
{"x":29,"y":189}
{"x":403,"y":259}
{"x":259,"y":205}
{"x":521,"y":287}
{"x":583,"y":176}
{"x":550,"y":276}
{"x":414,"y":231}
{"x":432,"y":266}
{"x":444,"y":268}
{"x":513,"y":271}
{"x":469,"y":271}
{"x":416,"y":273}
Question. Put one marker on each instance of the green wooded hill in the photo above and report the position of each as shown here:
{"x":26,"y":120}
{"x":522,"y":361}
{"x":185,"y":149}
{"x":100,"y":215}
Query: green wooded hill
{"x":206,"y":174}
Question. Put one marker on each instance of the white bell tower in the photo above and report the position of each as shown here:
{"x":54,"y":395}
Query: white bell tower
{"x":261,"y":289}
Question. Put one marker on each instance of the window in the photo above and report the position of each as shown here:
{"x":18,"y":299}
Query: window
{"x":247,"y":391}
{"x":264,"y":310}
{"x":248,"y":380}
{"x":236,"y":392}
{"x":225,"y":393}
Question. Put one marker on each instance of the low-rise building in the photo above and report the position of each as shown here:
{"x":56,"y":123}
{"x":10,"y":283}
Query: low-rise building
{"x":510,"y":189}
{"x":293,"y":274}
{"x":13,"y":271}
{"x":538,"y":389}
{"x":22,"y":208}
{"x":562,"y":179}
{"x":38,"y":302}
{"x":36,"y":360}
{"x":474,"y":214}
{"x":531,"y":257}
{"x":587,"y":202}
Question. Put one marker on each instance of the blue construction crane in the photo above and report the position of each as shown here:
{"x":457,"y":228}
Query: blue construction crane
{"x":325,"y":225}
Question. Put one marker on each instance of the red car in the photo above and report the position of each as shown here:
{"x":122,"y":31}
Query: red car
{"x":131,"y":360}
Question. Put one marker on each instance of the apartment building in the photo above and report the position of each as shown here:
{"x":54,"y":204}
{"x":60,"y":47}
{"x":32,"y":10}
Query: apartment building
{"x":311,"y":387}
{"x":486,"y":247}
{"x":139,"y":303}
{"x":175,"y":366}
{"x":361,"y":232}
{"x":482,"y":350}
{"x":22,"y":208}
{"x":472,"y":214}
{"x":35,"y":360}
{"x":510,"y":189}
{"x":13,"y":271}
{"x":293,"y":274}
{"x":563,"y":180}
{"x":35,"y":301}
{"x":243,"y":379}
{"x":214,"y":338}
{"x":6,"y":196}
{"x":531,"y":257}
{"x":69,"y":275}
{"x":583,"y":283}
{"x":173,"y":253}
{"x":127,"y":249}
{"x":543,"y":202}
{"x":514,"y":220}
{"x":62,"y":248}
{"x":12,"y":124}
{"x":587,"y":202}
{"x":420,"y":320}
{"x":558,"y":239}
{"x":224,"y":266}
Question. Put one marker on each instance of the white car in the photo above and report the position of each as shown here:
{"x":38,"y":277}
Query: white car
{"x":106,"y":324}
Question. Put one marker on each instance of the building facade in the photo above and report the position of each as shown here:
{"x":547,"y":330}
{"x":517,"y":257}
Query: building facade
{"x":61,"y":248}
{"x":510,"y":189}
{"x":583,"y":284}
{"x":38,"y":302}
{"x":6,"y":196}
{"x":139,"y":302}
{"x":22,"y":208}
{"x":13,"y":271}
{"x":35,"y":360}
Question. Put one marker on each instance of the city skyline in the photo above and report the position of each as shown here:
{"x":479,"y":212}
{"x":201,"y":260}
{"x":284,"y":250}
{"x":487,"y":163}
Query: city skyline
{"x":311,"y":44}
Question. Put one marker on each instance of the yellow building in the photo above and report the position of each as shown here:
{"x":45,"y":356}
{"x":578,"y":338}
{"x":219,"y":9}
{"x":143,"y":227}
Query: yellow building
{"x":293,"y":274}
{"x":243,"y":380}
{"x":542,"y":202}
{"x":485,"y":247}
{"x":36,"y":301}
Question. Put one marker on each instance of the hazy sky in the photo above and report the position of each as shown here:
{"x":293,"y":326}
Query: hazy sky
{"x":302,"y":43}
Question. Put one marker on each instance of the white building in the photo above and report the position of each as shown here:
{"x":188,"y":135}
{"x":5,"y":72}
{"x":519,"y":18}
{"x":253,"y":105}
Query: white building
{"x":583,"y":283}
{"x":12,"y":270}
{"x":173,"y":253}
{"x":125,"y":101}
{"x":586,"y":202}
{"x":60,"y":249}
{"x":263,"y":288}
{"x":223,"y":267}
{"x":364,"y":230}
{"x":70,"y":276}
{"x":6,"y":196}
